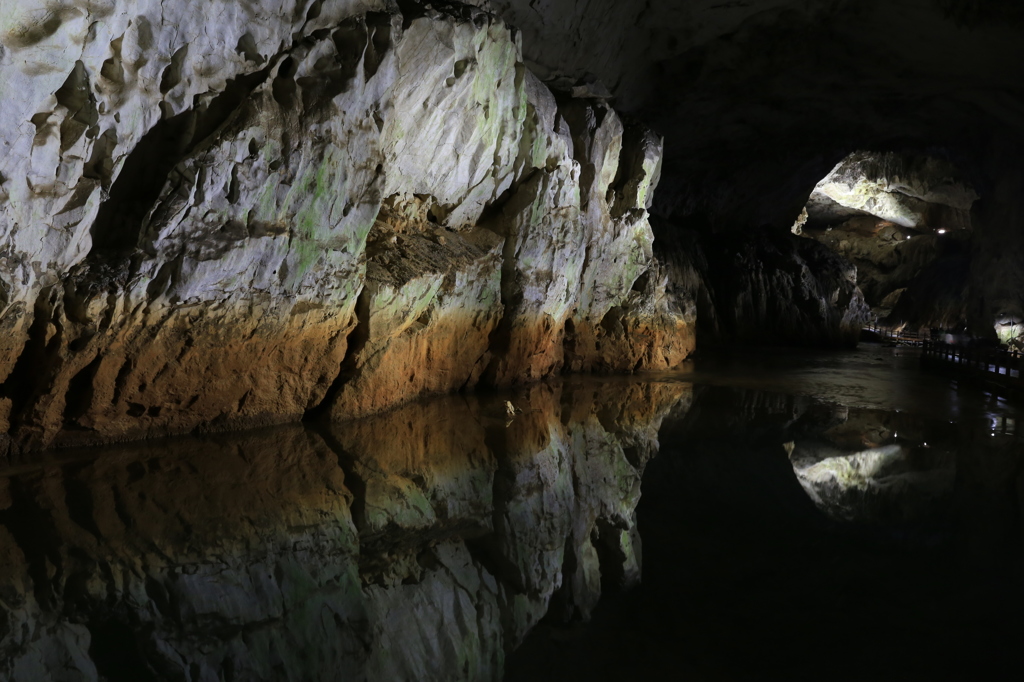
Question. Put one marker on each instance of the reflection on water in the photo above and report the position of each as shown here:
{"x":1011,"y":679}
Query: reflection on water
{"x":797,"y":511}
{"x":802,"y":522}
{"x":860,"y":468}
{"x":423,"y":544}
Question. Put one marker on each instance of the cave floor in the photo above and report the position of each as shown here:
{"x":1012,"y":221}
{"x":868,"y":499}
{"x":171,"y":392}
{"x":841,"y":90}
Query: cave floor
{"x":916,"y":574}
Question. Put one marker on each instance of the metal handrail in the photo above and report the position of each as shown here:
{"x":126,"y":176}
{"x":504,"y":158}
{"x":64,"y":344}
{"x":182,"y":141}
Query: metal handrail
{"x":999,"y":364}
{"x":898,"y":337}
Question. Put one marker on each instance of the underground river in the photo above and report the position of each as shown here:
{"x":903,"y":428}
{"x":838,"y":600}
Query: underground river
{"x":764,"y":515}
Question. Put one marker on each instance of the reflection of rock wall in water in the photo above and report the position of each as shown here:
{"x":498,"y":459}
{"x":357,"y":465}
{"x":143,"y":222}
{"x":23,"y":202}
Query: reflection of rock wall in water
{"x":875,"y":466}
{"x":855,"y":464}
{"x":418,"y":545}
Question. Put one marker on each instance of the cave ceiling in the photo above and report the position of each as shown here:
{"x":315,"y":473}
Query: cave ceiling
{"x":758,"y":99}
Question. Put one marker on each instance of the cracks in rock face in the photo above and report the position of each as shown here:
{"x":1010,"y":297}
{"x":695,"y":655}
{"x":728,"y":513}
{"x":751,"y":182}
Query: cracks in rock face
{"x":247,"y":48}
{"x":77,"y":97}
{"x":349,"y":368}
{"x":132,"y":201}
{"x":119,"y":226}
{"x":100,"y":166}
{"x":162,"y":168}
{"x":284,"y":87}
{"x":172,"y":74}
{"x":411,"y":10}
{"x":378,"y":25}
{"x":79,"y":394}
{"x":569,"y":340}
{"x":41,"y":353}
{"x":116,"y":233}
{"x":500,"y":340}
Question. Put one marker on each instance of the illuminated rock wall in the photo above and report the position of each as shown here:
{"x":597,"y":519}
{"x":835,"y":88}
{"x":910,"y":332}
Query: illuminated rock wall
{"x":225,"y":215}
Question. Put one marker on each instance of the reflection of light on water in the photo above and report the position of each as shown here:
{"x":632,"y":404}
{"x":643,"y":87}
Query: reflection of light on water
{"x":854,"y":470}
{"x":875,"y":484}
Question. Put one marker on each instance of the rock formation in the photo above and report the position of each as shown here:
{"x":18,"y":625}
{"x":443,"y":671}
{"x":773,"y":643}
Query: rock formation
{"x":762,"y":99}
{"x":910,"y":191}
{"x":319,"y":205}
{"x":768,"y":289}
{"x":904,"y":221}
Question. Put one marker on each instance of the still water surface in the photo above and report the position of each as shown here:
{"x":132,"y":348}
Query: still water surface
{"x":769,"y":515}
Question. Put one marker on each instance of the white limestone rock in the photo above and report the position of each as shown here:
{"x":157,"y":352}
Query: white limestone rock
{"x":81,"y":82}
{"x":189,"y":194}
{"x":905,"y":190}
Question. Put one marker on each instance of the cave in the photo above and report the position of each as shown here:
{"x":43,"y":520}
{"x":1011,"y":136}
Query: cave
{"x":511,"y":339}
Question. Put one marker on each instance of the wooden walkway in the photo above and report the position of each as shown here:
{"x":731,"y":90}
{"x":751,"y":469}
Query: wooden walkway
{"x":994,"y":365}
{"x":895,"y":337}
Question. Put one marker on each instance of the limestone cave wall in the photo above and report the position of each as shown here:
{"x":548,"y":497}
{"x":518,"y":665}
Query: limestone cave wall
{"x":224,"y":214}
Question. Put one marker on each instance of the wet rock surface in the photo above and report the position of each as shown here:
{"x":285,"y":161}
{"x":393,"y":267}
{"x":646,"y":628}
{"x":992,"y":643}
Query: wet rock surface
{"x":420,"y":545}
{"x":332,"y":206}
{"x":761,"y":99}
{"x":904,"y":221}
{"x":889,"y":259}
{"x":912,"y":191}
{"x":202,"y":207}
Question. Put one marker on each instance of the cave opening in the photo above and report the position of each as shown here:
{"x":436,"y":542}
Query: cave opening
{"x":903,"y":219}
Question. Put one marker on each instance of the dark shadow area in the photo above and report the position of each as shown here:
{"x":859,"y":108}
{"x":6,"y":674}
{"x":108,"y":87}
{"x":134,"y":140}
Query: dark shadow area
{"x":116,"y":654}
{"x":746,"y":578}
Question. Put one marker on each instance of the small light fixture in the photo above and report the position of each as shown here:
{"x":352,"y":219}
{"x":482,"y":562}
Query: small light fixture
{"x":941,"y":231}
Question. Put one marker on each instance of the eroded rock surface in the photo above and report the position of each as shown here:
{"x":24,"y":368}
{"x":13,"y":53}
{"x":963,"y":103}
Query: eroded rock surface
{"x":913,"y":191}
{"x":421,"y":544}
{"x":767,"y":288}
{"x":904,"y":220}
{"x":330,"y":205}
